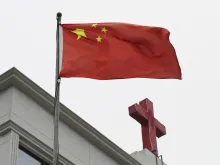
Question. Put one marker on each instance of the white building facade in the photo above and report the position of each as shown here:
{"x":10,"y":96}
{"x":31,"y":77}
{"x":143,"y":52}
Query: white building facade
{"x":26,"y":131}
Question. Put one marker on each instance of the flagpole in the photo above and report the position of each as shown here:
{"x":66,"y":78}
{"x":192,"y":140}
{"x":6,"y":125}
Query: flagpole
{"x":57,"y":95}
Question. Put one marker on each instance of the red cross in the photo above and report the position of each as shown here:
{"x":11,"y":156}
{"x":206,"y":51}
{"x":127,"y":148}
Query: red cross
{"x":151,"y":127}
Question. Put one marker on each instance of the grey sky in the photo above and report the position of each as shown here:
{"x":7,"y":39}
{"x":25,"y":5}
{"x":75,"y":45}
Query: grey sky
{"x":189,"y":108}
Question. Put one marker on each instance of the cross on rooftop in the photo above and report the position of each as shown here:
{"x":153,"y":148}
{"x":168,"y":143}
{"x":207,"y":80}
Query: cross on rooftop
{"x":151,"y":127}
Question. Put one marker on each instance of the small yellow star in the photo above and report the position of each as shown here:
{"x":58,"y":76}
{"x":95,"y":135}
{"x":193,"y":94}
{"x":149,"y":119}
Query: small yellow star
{"x":94,"y":25}
{"x":99,"y":39}
{"x":104,"y":30}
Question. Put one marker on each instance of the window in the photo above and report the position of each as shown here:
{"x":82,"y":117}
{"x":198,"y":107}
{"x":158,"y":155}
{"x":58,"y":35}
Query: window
{"x":27,"y":158}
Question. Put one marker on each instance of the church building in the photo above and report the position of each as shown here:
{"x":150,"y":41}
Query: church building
{"x":26,"y":131}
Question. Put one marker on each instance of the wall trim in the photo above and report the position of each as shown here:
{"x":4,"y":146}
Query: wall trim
{"x":31,"y":143}
{"x":14,"y":143}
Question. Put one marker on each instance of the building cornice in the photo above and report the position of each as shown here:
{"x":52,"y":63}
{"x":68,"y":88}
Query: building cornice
{"x":13,"y":77}
{"x":31,"y":143}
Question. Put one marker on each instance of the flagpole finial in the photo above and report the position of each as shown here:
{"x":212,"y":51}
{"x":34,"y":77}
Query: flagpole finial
{"x":59,"y":15}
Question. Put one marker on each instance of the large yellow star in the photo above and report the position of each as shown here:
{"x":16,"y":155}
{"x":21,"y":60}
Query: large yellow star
{"x":104,"y":30}
{"x":80,"y":33}
{"x":94,"y":25}
{"x":99,"y":39}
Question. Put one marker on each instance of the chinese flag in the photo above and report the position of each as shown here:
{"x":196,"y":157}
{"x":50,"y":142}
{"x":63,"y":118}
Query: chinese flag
{"x":107,"y":51}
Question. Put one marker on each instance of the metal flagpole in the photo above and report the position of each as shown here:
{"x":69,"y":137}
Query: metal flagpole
{"x":57,"y":95}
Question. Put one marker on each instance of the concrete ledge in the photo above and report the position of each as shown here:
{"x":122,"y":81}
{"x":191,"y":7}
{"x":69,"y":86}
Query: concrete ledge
{"x":145,"y":157}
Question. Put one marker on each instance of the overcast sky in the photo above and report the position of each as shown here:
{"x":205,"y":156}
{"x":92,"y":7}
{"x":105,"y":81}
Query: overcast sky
{"x":189,"y":108}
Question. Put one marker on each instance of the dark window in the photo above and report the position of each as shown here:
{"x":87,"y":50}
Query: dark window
{"x":27,"y":158}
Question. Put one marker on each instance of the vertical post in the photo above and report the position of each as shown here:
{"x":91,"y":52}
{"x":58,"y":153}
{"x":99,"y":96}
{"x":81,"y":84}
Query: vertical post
{"x":59,"y":15}
{"x":161,"y":158}
{"x":57,"y":95}
{"x":156,"y":160}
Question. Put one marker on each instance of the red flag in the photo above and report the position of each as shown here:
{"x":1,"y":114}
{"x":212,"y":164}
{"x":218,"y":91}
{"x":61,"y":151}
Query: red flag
{"x":118,"y":51}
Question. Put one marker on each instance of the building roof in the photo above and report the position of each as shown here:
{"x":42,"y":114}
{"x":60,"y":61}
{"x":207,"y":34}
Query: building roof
{"x":14,"y":77}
